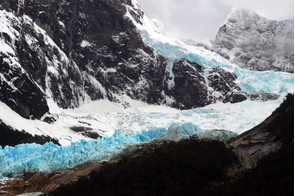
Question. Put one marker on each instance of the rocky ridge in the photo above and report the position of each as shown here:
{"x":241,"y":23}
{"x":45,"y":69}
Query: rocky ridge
{"x":255,"y":42}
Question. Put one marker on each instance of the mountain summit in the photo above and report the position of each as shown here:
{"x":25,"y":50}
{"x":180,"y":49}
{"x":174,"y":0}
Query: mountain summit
{"x":255,"y":42}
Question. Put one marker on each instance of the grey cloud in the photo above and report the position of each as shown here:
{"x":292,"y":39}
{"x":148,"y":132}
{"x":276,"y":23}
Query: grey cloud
{"x":281,"y":9}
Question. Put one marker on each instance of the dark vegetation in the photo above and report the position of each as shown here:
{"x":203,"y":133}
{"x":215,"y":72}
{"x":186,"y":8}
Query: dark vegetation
{"x":194,"y":167}
{"x":182,"y":168}
{"x":274,"y":175}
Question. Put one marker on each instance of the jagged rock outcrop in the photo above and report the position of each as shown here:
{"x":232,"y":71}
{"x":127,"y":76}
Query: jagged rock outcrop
{"x":254,"y":42}
{"x":224,"y":86}
{"x":86,"y":131}
{"x":266,"y":137}
{"x":188,"y":75}
{"x":188,"y":85}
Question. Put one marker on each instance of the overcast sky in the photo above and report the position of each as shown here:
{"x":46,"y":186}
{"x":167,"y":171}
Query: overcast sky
{"x":202,"y":18}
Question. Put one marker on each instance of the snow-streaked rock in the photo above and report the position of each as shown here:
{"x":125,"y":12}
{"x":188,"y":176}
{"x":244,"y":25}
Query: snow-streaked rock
{"x":255,"y":42}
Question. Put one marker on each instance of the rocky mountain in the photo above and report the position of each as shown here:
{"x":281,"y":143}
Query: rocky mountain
{"x":255,"y":42}
{"x":77,"y":51}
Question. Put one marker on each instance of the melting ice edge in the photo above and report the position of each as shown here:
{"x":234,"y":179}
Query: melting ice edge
{"x":18,"y":160}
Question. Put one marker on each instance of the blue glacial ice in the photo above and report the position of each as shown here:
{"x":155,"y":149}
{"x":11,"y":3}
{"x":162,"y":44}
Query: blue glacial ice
{"x":49,"y":157}
{"x":248,"y":81}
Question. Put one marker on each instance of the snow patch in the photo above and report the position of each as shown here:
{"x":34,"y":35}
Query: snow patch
{"x":85,"y":43}
{"x":169,"y":100}
{"x":158,"y":26}
{"x":170,"y":79}
{"x":98,"y":86}
{"x":61,"y":24}
{"x":99,"y":106}
{"x":52,"y":70}
{"x":31,"y":194}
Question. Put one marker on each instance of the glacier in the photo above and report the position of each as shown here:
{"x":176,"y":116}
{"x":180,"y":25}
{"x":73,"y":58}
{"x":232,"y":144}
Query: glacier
{"x":249,"y":81}
{"x":18,"y":160}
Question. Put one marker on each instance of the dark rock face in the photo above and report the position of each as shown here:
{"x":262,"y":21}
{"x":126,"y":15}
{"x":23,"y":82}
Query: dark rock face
{"x":263,"y":96}
{"x":192,"y":87}
{"x":189,"y":85}
{"x":86,"y":131}
{"x":223,"y":83}
{"x":11,"y":137}
{"x":20,"y":93}
{"x":266,"y":137}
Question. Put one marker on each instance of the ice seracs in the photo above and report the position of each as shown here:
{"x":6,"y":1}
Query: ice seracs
{"x":36,"y":158}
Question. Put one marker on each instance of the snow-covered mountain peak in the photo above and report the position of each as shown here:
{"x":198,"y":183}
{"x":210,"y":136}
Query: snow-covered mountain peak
{"x":247,"y":19}
{"x":255,"y":42}
{"x":238,"y":12}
